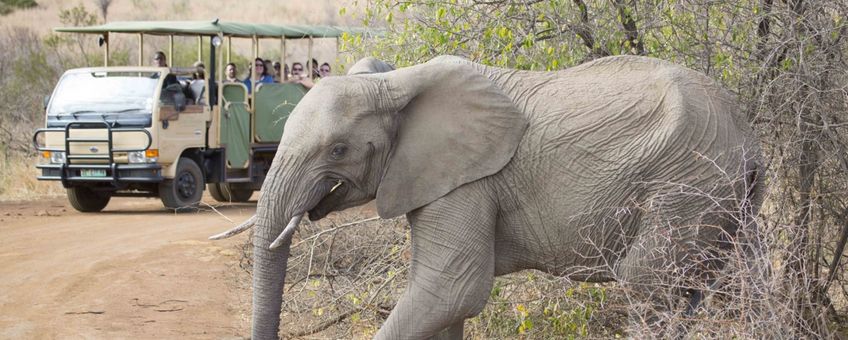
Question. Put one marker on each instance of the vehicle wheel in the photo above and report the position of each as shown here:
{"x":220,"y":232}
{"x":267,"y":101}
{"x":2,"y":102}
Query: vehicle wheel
{"x":86,"y":200}
{"x":228,"y":192}
{"x":186,"y":188}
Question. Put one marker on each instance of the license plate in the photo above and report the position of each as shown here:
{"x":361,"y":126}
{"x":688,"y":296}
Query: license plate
{"x":93,"y":172}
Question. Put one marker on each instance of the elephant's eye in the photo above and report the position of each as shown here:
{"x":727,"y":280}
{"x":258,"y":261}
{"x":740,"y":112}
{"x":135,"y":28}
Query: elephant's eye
{"x":338,"y":151}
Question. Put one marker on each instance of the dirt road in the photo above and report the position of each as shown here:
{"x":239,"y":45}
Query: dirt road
{"x":136,"y":270}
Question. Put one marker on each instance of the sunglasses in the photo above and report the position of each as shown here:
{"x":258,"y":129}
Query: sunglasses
{"x":297,"y":69}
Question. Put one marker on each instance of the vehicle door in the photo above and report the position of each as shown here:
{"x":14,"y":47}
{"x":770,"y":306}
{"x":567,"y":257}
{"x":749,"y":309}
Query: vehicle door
{"x":182,"y":121}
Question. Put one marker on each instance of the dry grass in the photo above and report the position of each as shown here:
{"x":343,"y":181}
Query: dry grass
{"x":18,"y":180}
{"x":347,"y":272}
{"x":44,"y":17}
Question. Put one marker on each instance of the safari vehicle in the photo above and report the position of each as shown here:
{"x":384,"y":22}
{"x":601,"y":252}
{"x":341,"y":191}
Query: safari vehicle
{"x":119,"y":131}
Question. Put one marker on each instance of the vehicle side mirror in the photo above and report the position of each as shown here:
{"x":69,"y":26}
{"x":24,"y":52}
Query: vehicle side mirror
{"x":46,"y":101}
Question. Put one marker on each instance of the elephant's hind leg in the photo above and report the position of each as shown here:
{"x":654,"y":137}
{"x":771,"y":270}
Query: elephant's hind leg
{"x":667,"y":268}
{"x":452,"y":268}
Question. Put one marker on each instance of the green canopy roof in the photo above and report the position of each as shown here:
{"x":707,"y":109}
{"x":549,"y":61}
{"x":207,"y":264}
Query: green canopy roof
{"x":214,"y":27}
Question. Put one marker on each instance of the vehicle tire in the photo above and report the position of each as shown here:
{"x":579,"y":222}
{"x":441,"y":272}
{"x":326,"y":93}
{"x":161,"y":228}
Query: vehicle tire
{"x":85,"y":199}
{"x":186,"y":188}
{"x":229,"y":192}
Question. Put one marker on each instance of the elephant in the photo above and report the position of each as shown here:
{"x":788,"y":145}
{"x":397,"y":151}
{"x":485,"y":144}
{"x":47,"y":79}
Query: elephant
{"x":500,"y":170}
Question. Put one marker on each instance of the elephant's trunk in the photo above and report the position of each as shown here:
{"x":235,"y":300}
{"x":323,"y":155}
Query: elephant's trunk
{"x":269,"y":276}
{"x":283,"y":198}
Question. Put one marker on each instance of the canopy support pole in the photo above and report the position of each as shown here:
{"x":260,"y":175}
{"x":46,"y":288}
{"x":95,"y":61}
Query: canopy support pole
{"x":253,"y":76}
{"x":141,"y":49}
{"x":255,"y":47}
{"x":229,"y":49}
{"x":199,"y":47}
{"x":222,"y":75}
{"x":309,"y":59}
{"x":284,"y":76}
{"x":106,"y":49}
{"x":170,"y":50}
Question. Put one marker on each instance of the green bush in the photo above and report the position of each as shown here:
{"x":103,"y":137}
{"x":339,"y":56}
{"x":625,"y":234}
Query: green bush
{"x":20,"y":3}
{"x":9,"y":6}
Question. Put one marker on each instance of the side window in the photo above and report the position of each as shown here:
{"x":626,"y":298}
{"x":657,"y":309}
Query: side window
{"x":173,"y":95}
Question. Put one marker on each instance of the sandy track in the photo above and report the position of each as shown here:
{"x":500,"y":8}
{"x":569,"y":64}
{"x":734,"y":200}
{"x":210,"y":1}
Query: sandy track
{"x":135,"y":271}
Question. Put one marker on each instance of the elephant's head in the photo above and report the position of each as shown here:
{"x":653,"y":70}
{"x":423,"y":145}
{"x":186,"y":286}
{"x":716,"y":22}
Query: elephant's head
{"x":404,"y":137}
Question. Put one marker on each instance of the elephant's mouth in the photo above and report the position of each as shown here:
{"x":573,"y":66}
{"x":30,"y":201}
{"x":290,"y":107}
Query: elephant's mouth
{"x":338,"y":190}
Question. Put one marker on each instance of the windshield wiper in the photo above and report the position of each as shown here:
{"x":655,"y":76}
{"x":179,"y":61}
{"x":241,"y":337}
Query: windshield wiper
{"x":125,"y":110}
{"x":74,"y":113}
{"x":102,"y":112}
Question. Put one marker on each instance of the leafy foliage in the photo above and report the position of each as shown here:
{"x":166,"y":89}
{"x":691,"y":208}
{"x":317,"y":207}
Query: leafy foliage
{"x":785,"y":60}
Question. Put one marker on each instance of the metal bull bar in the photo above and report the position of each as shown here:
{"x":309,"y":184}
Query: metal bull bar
{"x":69,"y":172}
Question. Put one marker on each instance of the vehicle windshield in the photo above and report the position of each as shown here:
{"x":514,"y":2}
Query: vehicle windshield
{"x":120,"y":98}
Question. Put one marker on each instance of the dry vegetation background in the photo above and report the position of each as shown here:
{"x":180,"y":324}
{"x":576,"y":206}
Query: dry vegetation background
{"x":787,"y":60}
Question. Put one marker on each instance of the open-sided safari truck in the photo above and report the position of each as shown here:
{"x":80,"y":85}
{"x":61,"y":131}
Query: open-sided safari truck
{"x":120,"y":131}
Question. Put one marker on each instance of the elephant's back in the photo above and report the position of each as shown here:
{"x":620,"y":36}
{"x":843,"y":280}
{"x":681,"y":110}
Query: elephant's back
{"x":617,"y":116}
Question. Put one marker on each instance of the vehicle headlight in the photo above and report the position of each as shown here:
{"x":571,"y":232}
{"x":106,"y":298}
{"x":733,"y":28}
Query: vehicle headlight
{"x":57,"y":157}
{"x":146,"y":156}
{"x":136,"y":157}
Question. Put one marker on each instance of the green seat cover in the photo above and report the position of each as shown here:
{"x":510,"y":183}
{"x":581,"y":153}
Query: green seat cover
{"x":274,"y":103}
{"x":235,"y":92}
{"x":235,"y":125}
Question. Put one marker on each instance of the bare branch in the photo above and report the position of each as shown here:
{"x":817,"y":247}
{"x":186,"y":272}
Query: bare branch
{"x":630,"y":30}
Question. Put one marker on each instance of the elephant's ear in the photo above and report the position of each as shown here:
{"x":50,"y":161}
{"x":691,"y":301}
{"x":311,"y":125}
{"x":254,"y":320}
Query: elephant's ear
{"x":369,"y":65}
{"x":454,"y":126}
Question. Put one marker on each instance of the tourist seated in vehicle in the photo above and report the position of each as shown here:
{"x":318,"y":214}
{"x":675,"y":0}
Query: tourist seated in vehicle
{"x":159,"y":60}
{"x":198,"y":83}
{"x":231,"y":73}
{"x":296,"y":71}
{"x":271,"y":71}
{"x":200,"y":71}
{"x":262,"y":75}
{"x":280,"y":75}
{"x":324,"y":71}
{"x":314,"y":69}
{"x":299,"y":77}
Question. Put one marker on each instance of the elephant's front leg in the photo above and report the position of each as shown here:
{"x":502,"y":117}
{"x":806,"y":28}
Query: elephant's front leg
{"x":452,"y":268}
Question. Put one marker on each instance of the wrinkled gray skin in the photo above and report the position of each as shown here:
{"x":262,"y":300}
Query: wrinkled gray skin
{"x":501,"y":170}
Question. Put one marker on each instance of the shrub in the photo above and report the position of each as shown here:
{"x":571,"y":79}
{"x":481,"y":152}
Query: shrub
{"x":9,"y":6}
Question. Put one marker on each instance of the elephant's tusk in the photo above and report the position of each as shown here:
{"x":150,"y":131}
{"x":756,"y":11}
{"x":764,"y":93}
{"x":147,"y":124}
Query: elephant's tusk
{"x":240,"y":228}
{"x":288,"y":231}
{"x":336,"y":186}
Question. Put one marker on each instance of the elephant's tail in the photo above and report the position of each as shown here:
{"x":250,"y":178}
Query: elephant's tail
{"x":755,"y":191}
{"x":751,"y":236}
